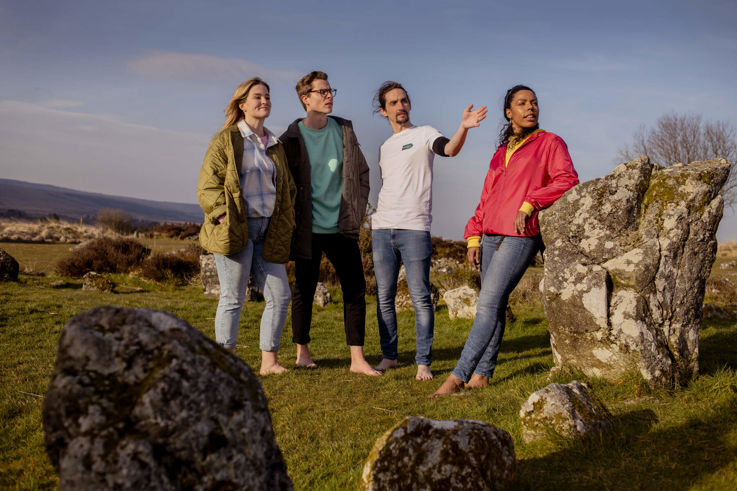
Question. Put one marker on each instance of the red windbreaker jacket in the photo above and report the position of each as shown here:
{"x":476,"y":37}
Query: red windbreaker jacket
{"x":539,"y":172}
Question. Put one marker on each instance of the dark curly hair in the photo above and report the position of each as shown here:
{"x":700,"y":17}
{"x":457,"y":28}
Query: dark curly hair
{"x":507,"y":131}
{"x":380,"y":96}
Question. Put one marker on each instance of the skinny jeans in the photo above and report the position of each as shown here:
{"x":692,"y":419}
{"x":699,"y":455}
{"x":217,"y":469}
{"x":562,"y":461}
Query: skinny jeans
{"x":391,"y":247}
{"x":345,"y":256}
{"x":504,"y":260}
{"x":234,"y":271}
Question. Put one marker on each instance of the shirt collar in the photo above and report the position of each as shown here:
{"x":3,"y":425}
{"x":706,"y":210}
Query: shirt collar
{"x":247,"y":132}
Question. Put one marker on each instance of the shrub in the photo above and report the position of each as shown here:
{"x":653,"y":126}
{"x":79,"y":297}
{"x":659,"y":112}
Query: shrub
{"x":177,"y":230}
{"x":177,"y":267}
{"x":103,"y":255}
{"x":115,"y":220}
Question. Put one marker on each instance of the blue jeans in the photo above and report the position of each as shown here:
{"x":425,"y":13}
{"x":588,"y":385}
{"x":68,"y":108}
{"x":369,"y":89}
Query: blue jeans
{"x":504,"y":260}
{"x":233,"y":272}
{"x":414,"y":249}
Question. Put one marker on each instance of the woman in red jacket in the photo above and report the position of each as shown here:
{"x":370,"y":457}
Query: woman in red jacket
{"x":529,"y":171}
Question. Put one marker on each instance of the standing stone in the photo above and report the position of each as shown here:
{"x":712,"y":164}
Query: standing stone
{"x":322,"y":295}
{"x":141,"y":400}
{"x":420,"y":453}
{"x":461,"y":302}
{"x":626,"y":261}
{"x":8,"y":267}
{"x":97,"y":282}
{"x":209,"y":276}
{"x":211,"y":282}
{"x":570,"y":410}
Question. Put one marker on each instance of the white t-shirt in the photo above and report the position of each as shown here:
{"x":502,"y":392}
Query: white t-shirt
{"x":405,"y":199}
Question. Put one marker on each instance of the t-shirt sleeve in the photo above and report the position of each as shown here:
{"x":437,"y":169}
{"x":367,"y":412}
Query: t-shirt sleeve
{"x":431,"y":134}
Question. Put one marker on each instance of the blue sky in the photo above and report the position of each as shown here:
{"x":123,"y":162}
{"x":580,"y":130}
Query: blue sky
{"x":123,"y":97}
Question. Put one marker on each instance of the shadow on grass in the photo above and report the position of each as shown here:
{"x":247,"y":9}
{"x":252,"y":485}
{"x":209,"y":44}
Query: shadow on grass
{"x":404,"y":357}
{"x":718,"y":350}
{"x":630,"y":456}
{"x":524,"y":343}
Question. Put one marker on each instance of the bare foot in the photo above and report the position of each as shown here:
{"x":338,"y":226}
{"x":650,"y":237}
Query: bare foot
{"x":272,"y":370}
{"x":386,"y":364}
{"x":269,"y":364}
{"x":478,"y":382}
{"x":423,"y":373}
{"x":451,"y":385}
{"x":304,"y":357}
{"x":359,"y":363}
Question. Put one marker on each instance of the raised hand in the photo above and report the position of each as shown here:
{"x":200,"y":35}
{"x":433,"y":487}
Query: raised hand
{"x":472,"y":117}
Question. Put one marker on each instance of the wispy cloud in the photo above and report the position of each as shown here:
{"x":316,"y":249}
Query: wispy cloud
{"x":593,"y":63}
{"x":196,"y":67}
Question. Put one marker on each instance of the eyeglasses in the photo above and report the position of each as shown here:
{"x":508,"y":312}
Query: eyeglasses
{"x":324,"y":92}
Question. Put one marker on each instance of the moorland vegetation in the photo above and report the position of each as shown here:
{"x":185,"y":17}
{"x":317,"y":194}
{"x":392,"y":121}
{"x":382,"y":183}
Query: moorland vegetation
{"x":327,"y":420}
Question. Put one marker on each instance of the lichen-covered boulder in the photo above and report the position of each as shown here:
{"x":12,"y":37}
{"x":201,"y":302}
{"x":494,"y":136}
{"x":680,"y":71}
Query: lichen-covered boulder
{"x":8,"y":267}
{"x":461,"y":302}
{"x":139,"y":400}
{"x":626,"y":261}
{"x":97,"y":282}
{"x":322,"y":295}
{"x":420,"y":453}
{"x":571,"y":410}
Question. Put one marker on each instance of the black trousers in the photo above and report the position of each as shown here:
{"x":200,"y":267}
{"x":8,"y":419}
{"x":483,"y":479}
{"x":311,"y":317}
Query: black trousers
{"x":345,"y":256}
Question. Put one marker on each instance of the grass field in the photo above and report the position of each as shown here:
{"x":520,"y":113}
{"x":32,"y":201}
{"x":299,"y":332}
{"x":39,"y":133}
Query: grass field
{"x":327,"y":420}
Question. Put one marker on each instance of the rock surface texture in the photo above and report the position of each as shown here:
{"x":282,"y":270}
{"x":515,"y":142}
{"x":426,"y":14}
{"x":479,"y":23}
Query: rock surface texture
{"x":209,"y":276}
{"x":571,"y":410}
{"x":461,"y":302}
{"x":140,"y":400}
{"x":322,"y":295}
{"x":625,"y":266}
{"x":211,"y":282}
{"x":420,"y":453}
{"x":97,"y":282}
{"x":8,"y":267}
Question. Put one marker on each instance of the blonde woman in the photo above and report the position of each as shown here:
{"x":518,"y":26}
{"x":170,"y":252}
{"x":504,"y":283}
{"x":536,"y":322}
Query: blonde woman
{"x":247,"y":193}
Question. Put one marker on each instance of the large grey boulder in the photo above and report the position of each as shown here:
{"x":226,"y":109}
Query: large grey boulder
{"x":571,"y":410}
{"x":626,"y":261}
{"x":420,"y":453}
{"x":139,"y":400}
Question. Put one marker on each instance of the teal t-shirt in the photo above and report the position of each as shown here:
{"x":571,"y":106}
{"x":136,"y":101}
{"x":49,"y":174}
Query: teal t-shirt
{"x":325,"y":151}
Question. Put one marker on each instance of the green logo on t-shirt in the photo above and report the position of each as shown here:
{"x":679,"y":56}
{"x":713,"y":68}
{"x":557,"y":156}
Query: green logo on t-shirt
{"x":407,"y":146}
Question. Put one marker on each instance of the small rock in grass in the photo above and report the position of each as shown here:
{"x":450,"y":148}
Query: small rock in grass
{"x":571,"y":410}
{"x":420,"y":453}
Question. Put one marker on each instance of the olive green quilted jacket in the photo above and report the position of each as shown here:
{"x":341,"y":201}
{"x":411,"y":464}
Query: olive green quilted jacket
{"x":219,"y":192}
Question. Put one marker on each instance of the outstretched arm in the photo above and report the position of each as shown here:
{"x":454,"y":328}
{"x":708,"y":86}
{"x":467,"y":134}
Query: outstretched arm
{"x":470,"y":119}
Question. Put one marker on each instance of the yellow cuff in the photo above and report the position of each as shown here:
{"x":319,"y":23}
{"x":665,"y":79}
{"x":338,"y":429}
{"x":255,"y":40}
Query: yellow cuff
{"x":527,"y":208}
{"x":474,"y":241}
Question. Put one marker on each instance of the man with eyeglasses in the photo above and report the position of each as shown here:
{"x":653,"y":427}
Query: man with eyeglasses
{"x":332,"y":180}
{"x":401,"y":223}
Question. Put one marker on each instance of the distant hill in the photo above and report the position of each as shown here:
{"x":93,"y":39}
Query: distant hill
{"x":26,"y":199}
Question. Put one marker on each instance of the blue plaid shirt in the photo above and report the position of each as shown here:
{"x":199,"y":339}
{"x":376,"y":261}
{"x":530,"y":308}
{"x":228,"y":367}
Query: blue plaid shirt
{"x":258,"y":175}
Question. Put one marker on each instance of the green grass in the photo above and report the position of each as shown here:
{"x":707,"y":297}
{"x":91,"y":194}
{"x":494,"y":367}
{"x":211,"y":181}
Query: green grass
{"x":327,"y":420}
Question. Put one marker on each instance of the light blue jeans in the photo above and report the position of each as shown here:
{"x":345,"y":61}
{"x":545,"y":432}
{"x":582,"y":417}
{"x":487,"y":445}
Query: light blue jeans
{"x":413,"y":248}
{"x":233,"y":272}
{"x":504,"y":260}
